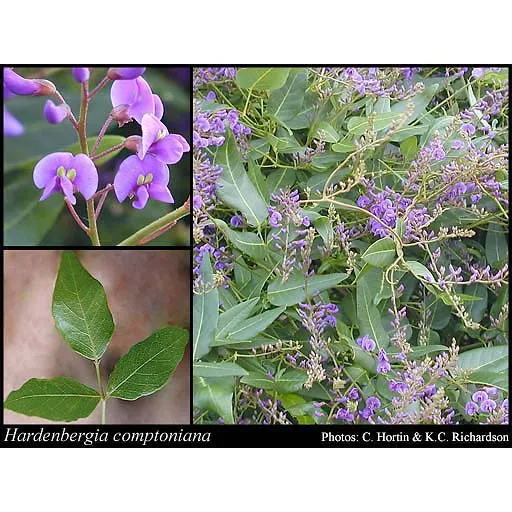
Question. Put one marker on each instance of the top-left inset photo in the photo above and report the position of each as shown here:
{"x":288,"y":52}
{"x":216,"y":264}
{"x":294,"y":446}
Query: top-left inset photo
{"x":96,"y":156}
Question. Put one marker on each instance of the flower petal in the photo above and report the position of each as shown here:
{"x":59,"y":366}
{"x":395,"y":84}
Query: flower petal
{"x":125,"y":73}
{"x":183,"y":141}
{"x":142,"y":198}
{"x":144,"y":104}
{"x":86,"y":180}
{"x":80,"y":75}
{"x":51,"y":187}
{"x":160,"y":193}
{"x":151,"y":127}
{"x":18,"y":84}
{"x":12,"y":127}
{"x":55,"y":114}
{"x":169,"y":149}
{"x":47,"y":167}
{"x":67,"y":189}
{"x":159,"y":106}
{"x":123,"y":92}
{"x":125,"y":180}
{"x":158,"y":169}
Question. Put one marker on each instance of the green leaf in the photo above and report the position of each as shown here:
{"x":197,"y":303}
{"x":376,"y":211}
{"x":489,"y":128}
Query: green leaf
{"x":409,"y":148}
{"x":291,"y":380}
{"x":26,"y":219}
{"x":368,"y":316}
{"x":235,"y":188}
{"x":107,"y":142}
{"x":222,"y":369}
{"x":248,"y":242}
{"x":496,"y":246}
{"x":490,"y":378}
{"x":286,"y":102}
{"x":215,"y":394}
{"x":381,"y":253}
{"x":420,"y":102}
{"x":494,"y":359}
{"x":80,"y":309}
{"x":344,"y":146}
{"x":293,"y":290}
{"x":148,"y":365}
{"x":205,"y":312}
{"x":58,"y":399}
{"x":326,"y":132}
{"x":357,"y":125}
{"x":258,"y":179}
{"x":247,"y":329}
{"x":477,"y":308}
{"x":231,"y":318}
{"x":419,"y":270}
{"x":262,"y":79}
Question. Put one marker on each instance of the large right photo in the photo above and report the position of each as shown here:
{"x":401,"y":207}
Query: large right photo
{"x":350,"y":229}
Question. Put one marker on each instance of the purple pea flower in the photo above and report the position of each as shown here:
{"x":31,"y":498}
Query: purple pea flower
{"x":157,"y":141}
{"x":479,"y":396}
{"x":372,"y":403}
{"x":143,"y":179}
{"x":236,"y":221}
{"x":275,"y":219}
{"x":125,"y":73}
{"x":345,"y":414}
{"x":25,"y":86}
{"x":488,"y":405}
{"x":471,"y":408}
{"x":383,"y":365}
{"x":138,"y":98}
{"x":55,"y":114}
{"x":12,"y":127}
{"x":491,"y":391}
{"x":80,"y":75}
{"x":468,"y":128}
{"x":353,"y":394}
{"x":366,"y":343}
{"x":457,"y":144}
{"x":63,"y":172}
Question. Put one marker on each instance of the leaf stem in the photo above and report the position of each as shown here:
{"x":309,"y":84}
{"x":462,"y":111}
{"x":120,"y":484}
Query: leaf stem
{"x":107,"y":151}
{"x":102,"y":394}
{"x":103,"y":130}
{"x":158,"y":224}
{"x":98,"y":88}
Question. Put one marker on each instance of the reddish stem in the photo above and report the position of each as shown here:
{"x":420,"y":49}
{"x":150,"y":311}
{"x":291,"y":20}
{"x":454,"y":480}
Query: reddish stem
{"x":156,"y":234}
{"x":103,"y":195}
{"x":76,"y":217}
{"x":98,"y":88}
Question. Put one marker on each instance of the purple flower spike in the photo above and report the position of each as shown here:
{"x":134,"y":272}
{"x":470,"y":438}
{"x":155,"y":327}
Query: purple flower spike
{"x":63,"y":172}
{"x":136,"y":95}
{"x":12,"y":127}
{"x":157,"y":141}
{"x":143,"y":179}
{"x":125,"y":73}
{"x":27,"y":87}
{"x":55,"y":114}
{"x":81,"y":75}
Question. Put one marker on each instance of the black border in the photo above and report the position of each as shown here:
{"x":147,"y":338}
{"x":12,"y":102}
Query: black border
{"x":258,"y":436}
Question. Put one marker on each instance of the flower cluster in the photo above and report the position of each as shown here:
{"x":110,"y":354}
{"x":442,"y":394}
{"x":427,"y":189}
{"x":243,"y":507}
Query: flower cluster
{"x":205,"y":76}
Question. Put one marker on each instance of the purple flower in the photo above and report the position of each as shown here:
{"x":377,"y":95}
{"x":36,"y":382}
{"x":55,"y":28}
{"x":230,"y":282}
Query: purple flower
{"x":353,"y":394}
{"x":12,"y":127}
{"x":479,"y":396}
{"x":491,"y":391}
{"x":488,"y":405}
{"x":477,"y":72}
{"x":137,"y":96}
{"x":366,"y":343}
{"x":25,"y":86}
{"x":275,"y":219}
{"x":55,"y":114}
{"x":143,"y":179}
{"x":398,"y":386}
{"x":63,"y":172}
{"x":125,"y":73}
{"x":373,"y":402}
{"x":81,"y":75}
{"x":383,"y":365}
{"x":471,"y":408}
{"x":457,"y":144}
{"x":236,"y":221}
{"x":468,"y":128}
{"x":156,"y":141}
{"x":344,"y":414}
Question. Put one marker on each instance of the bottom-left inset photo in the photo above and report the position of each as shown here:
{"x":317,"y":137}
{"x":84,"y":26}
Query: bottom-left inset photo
{"x":96,"y":336}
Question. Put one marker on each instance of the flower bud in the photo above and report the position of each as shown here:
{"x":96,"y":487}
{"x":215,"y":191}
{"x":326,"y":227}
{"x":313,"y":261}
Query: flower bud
{"x":80,"y":75}
{"x":25,"y":86}
{"x":133,"y":143}
{"x":55,"y":114}
{"x":125,"y":73}
{"x":121,"y":114}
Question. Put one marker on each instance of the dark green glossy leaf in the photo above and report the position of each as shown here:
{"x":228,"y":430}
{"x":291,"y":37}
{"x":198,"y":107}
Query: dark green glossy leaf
{"x":490,"y":378}
{"x":286,"y":102}
{"x":215,"y":394}
{"x":476,"y":308}
{"x":222,"y":369}
{"x":293,"y":290}
{"x":420,"y":102}
{"x":248,"y":242}
{"x":409,"y":147}
{"x":230,"y":319}
{"x":494,"y":359}
{"x":206,"y":312}
{"x":235,"y":188}
{"x":262,"y":79}
{"x":358,"y":125}
{"x":419,"y":270}
{"x":58,"y":399}
{"x":148,"y":365}
{"x":381,"y":253}
{"x":292,"y":380}
{"x":496,"y":246}
{"x":247,"y":329}
{"x":326,"y":132}
{"x":80,"y":309}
